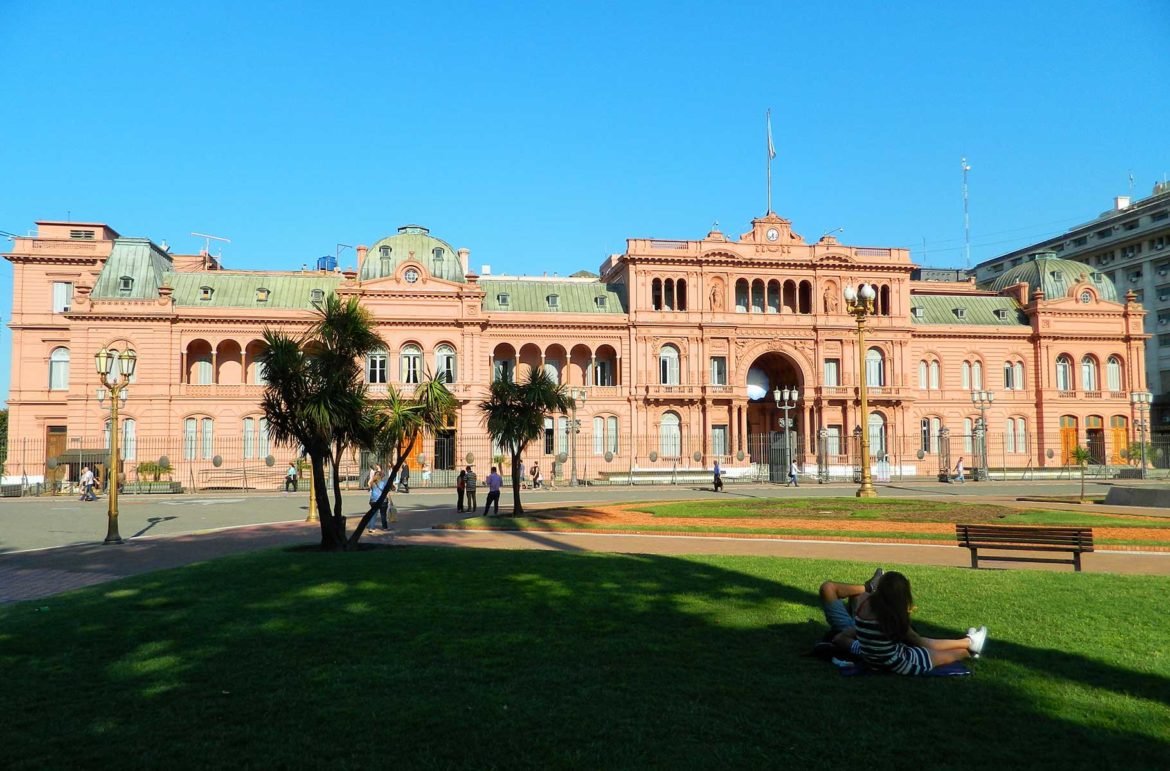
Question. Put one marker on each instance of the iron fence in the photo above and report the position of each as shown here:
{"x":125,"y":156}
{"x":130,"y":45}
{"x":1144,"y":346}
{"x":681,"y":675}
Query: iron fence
{"x":584,"y":458}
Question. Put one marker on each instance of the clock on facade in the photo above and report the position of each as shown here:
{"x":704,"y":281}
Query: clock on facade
{"x":772,"y":234}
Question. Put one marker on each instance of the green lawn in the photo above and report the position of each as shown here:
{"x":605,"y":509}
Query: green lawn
{"x":456,"y":657}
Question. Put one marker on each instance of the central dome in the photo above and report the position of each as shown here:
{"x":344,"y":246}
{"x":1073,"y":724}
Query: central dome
{"x":412,"y":243}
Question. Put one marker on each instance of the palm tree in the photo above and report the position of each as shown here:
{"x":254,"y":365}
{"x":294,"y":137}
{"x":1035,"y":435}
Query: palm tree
{"x":515,"y":413}
{"x":316,"y":397}
{"x":1081,"y":456}
{"x":399,"y":424}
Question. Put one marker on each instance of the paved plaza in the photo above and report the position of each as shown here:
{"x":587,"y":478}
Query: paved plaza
{"x":51,"y":545}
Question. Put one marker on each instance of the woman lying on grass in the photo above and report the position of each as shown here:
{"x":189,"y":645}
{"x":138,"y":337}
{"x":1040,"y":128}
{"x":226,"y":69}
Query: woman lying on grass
{"x":888,"y":642}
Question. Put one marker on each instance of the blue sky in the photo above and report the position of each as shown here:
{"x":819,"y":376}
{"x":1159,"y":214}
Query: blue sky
{"x":542,"y":135}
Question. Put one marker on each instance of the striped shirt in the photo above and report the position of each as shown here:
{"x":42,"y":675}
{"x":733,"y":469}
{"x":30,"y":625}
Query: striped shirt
{"x":882,"y":652}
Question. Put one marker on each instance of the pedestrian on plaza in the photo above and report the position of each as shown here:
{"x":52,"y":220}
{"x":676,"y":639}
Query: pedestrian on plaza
{"x":523,"y":476}
{"x":290,"y":477}
{"x":375,"y":470}
{"x":537,"y":479}
{"x":469,"y":493}
{"x":88,"y":480}
{"x":404,"y":478}
{"x":460,"y":489}
{"x":377,"y":487}
{"x":792,"y":475}
{"x":718,"y":478}
{"x":426,"y":474}
{"x":494,"y":483}
{"x":958,"y":479}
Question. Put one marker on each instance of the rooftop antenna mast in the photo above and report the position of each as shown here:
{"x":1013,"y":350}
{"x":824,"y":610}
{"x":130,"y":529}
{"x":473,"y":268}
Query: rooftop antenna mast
{"x":207,"y":243}
{"x":966,"y":218}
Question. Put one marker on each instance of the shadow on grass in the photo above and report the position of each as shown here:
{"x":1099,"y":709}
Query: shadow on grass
{"x":522,"y":659}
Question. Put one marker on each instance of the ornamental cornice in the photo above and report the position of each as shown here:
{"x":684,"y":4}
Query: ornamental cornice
{"x":48,"y":259}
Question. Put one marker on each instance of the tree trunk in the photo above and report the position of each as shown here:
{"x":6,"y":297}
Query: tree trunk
{"x":1082,"y":482}
{"x":329,"y":530}
{"x":517,"y":506}
{"x":337,"y":507}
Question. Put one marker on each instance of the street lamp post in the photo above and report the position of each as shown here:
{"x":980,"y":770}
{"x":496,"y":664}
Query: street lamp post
{"x":982,"y":401}
{"x":786,"y":399}
{"x":1141,"y":404}
{"x":104,"y":363}
{"x":576,"y":394}
{"x":859,"y":303}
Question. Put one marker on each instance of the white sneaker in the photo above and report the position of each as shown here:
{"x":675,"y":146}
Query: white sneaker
{"x":978,"y":640}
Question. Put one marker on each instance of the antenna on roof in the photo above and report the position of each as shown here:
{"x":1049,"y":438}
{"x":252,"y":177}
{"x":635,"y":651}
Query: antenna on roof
{"x":207,"y":242}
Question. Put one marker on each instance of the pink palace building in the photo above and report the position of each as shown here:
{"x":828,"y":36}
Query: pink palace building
{"x":676,"y":350}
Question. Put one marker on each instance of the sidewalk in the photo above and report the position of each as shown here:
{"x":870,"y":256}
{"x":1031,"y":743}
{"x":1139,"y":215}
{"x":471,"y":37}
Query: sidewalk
{"x":42,"y":573}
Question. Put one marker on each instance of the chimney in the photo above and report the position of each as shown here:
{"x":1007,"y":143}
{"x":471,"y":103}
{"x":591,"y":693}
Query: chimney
{"x":1121,"y":203}
{"x":361,"y":253}
{"x":464,"y":256}
{"x":485,"y":270}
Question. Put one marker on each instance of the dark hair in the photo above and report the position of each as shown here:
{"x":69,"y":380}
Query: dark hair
{"x":891,"y":602}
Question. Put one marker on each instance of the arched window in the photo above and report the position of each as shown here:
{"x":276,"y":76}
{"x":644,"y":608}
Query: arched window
{"x":773,"y":296}
{"x":445,"y":363}
{"x":598,"y":435}
{"x":59,"y":369}
{"x":1113,"y":374}
{"x":190,"y":431}
{"x":966,"y":376}
{"x":668,"y":370}
{"x":207,"y":429}
{"x":611,"y":436}
{"x":757,"y":296}
{"x":1063,"y":373}
{"x":1009,"y":436}
{"x":129,"y":447}
{"x":376,"y":366}
{"x":668,"y":295}
{"x":411,"y":357}
{"x":249,"y":438}
{"x":1013,"y":376}
{"x":923,"y":382}
{"x":875,"y":368}
{"x":877,"y":435}
{"x":804,"y":297}
{"x":884,"y":301}
{"x":968,"y":431}
{"x":934,"y":375}
{"x":790,"y":296}
{"x":1018,"y":374}
{"x":741,"y":295}
{"x":669,"y":436}
{"x":929,"y":429}
{"x":1089,"y":373}
{"x":976,"y":375}
{"x":656,"y":294}
{"x":680,"y":291}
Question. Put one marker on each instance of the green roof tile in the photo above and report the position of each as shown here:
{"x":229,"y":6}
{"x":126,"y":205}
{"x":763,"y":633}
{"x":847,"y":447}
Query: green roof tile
{"x":977,"y":310}
{"x":412,"y":243}
{"x":1054,"y":276}
{"x":138,"y":260}
{"x":238,"y":290}
{"x":572,"y":296}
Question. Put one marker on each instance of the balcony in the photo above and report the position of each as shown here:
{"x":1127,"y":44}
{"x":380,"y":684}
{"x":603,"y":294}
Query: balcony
{"x":656,"y":391}
{"x":722,"y":391}
{"x":221,"y":390}
{"x":1066,"y":394}
{"x":605,"y":392}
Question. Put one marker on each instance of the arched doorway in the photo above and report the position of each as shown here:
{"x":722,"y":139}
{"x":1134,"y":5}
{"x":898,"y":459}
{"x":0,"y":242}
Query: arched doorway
{"x":771,"y":441}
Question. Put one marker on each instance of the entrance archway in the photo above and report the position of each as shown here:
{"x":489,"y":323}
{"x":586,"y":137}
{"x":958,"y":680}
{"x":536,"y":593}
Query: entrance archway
{"x":770,"y":441}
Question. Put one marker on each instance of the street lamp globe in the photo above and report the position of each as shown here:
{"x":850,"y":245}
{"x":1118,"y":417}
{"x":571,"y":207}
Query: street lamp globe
{"x":778,"y":395}
{"x":850,"y":293}
{"x":128,"y":361}
{"x":103,"y":361}
{"x":867,"y":292}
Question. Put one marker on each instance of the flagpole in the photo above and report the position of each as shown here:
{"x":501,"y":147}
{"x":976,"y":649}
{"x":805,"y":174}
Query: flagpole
{"x":769,"y":153}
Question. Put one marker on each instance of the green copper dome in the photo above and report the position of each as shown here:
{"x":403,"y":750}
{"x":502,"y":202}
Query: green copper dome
{"x":412,"y":243}
{"x":1055,"y":277}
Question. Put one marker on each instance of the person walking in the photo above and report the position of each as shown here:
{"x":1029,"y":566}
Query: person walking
{"x":290,"y":477}
{"x":377,"y":487}
{"x":404,"y":478}
{"x":718,"y":486}
{"x":959,"y":472}
{"x":792,"y":475}
{"x":426,"y":474}
{"x":537,"y":479}
{"x":87,"y":482}
{"x":469,"y":492}
{"x":494,"y":483}
{"x":460,"y":489}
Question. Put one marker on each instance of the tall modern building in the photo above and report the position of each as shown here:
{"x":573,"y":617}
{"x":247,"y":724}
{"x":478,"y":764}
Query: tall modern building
{"x":1130,"y":246}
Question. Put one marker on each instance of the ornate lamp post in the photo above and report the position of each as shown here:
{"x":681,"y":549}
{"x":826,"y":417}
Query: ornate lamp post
{"x":1141,"y":404}
{"x":859,"y":303}
{"x":104,"y":363}
{"x":982,"y":400}
{"x":787,"y":399}
{"x":576,"y":394}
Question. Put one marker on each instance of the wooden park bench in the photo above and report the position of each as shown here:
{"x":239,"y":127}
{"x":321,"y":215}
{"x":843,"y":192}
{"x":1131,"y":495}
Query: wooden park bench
{"x":1076,"y":540}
